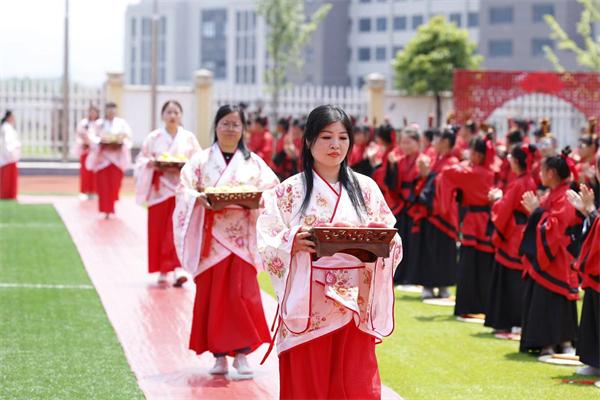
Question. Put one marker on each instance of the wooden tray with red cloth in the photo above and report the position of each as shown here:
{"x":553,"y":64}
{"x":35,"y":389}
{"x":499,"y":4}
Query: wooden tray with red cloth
{"x":365,"y":243}
{"x":220,"y":200}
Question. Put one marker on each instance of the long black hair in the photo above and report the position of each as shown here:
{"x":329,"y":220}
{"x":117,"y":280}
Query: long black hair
{"x":318,"y":119}
{"x":520,"y":155}
{"x":7,"y":115}
{"x":227,"y":109}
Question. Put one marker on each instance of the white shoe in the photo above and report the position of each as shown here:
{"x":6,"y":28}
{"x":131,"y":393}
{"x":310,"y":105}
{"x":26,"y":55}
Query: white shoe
{"x":180,"y":277}
{"x":241,"y":364}
{"x":220,"y":367}
{"x":162,"y":278}
{"x":588,"y":370}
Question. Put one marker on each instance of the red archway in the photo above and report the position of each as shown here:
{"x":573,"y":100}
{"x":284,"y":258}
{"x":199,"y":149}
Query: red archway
{"x":478,"y":93}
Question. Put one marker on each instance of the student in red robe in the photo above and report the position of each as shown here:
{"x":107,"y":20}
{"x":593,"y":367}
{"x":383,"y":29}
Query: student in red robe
{"x":427,"y":146}
{"x":358,"y":159}
{"x":465,"y":135}
{"x":289,"y":146}
{"x":261,"y":140}
{"x":506,"y":174}
{"x":588,"y":266}
{"x":439,"y":230}
{"x":471,"y":182}
{"x":549,"y":248}
{"x":401,"y":178}
{"x":587,"y":149}
{"x":509,"y":218}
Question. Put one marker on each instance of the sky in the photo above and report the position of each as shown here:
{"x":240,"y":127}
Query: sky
{"x":32,"y":32}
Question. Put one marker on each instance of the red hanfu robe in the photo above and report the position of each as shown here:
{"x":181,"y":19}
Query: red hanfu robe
{"x":261,"y":143}
{"x":84,"y":136}
{"x":588,"y":263}
{"x":549,"y":244}
{"x":443,"y":217}
{"x":509,"y":218}
{"x":474,"y":183}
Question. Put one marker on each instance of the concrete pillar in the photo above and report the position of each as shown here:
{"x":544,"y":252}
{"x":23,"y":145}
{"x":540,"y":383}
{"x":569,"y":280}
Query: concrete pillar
{"x":114,"y":88}
{"x":203,"y":91}
{"x":375,"y":98}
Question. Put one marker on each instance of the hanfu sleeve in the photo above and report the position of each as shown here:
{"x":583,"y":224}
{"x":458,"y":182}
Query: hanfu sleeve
{"x":188,"y":217}
{"x":502,"y":211}
{"x":290,"y":275}
{"x":143,"y":172}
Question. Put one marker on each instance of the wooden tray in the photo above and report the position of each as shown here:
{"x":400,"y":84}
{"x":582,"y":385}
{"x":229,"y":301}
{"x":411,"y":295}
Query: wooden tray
{"x":162,"y":165}
{"x":218,"y":201}
{"x":366,"y":244}
{"x":111,"y":145}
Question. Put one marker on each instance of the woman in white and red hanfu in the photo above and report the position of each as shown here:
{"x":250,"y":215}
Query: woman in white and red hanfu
{"x":84,"y":136}
{"x":110,"y":162}
{"x":10,"y":152}
{"x":333,"y":310}
{"x":219,"y":247}
{"x":156,"y":189}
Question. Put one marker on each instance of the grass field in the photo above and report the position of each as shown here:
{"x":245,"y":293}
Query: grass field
{"x":55,"y":343}
{"x":430,"y":355}
{"x":58,"y":343}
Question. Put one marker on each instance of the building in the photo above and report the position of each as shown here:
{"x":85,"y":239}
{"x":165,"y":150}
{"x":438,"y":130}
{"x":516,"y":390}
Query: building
{"x":223,"y":36}
{"x":513,"y":33}
{"x":356,"y":38}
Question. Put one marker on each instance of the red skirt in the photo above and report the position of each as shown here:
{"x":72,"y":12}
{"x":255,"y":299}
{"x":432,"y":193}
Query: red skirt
{"x":87,"y":178}
{"x":108,"y":181}
{"x":161,"y":248}
{"x":339,"y":365}
{"x":228,"y":313}
{"x":9,"y":175}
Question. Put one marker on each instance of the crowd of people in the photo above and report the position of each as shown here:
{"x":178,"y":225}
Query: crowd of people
{"x":507,"y":218}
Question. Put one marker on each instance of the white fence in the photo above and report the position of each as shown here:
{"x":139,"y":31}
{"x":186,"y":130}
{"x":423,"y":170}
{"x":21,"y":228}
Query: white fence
{"x":294,"y":100}
{"x":37,"y":105}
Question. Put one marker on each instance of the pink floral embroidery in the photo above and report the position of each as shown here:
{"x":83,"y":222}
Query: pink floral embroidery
{"x":330,"y":278}
{"x":239,"y":242}
{"x":275,"y":267}
{"x":310,"y":220}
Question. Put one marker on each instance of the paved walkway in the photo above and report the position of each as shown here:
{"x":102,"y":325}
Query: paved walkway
{"x":153,"y":323}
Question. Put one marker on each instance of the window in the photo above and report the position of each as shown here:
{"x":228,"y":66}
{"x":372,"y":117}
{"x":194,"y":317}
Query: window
{"x":500,"y":48}
{"x":133,"y":53}
{"x":473,"y":19}
{"x":349,"y":54}
{"x":209,"y":30}
{"x":163,"y":25}
{"x":380,"y":53}
{"x":364,"y":25}
{"x":540,"y":10}
{"x":456,"y":18}
{"x":381,"y":24}
{"x":364,"y":54}
{"x":132,"y":76}
{"x":537,"y":46}
{"x":365,"y":1}
{"x":399,"y":23}
{"x":133,"y":22}
{"x":501,"y":15}
{"x":146,"y":27}
{"x":417,"y":20}
{"x":396,"y":50}
{"x":360,"y":81}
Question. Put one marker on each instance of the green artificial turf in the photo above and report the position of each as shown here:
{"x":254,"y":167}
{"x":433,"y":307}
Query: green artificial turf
{"x":54,"y":343}
{"x":430,"y":355}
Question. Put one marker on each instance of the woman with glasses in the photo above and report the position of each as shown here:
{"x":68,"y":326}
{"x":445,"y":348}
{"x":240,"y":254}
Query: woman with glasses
{"x":218,"y":247}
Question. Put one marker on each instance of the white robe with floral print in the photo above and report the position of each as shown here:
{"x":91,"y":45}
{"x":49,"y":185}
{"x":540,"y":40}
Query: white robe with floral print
{"x":318,"y":297}
{"x":234,"y":228}
{"x":156,"y":143}
{"x":99,"y":157}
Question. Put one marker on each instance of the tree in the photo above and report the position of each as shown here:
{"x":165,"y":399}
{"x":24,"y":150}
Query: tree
{"x":287,"y":33}
{"x":588,"y":55}
{"x":427,"y":62}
